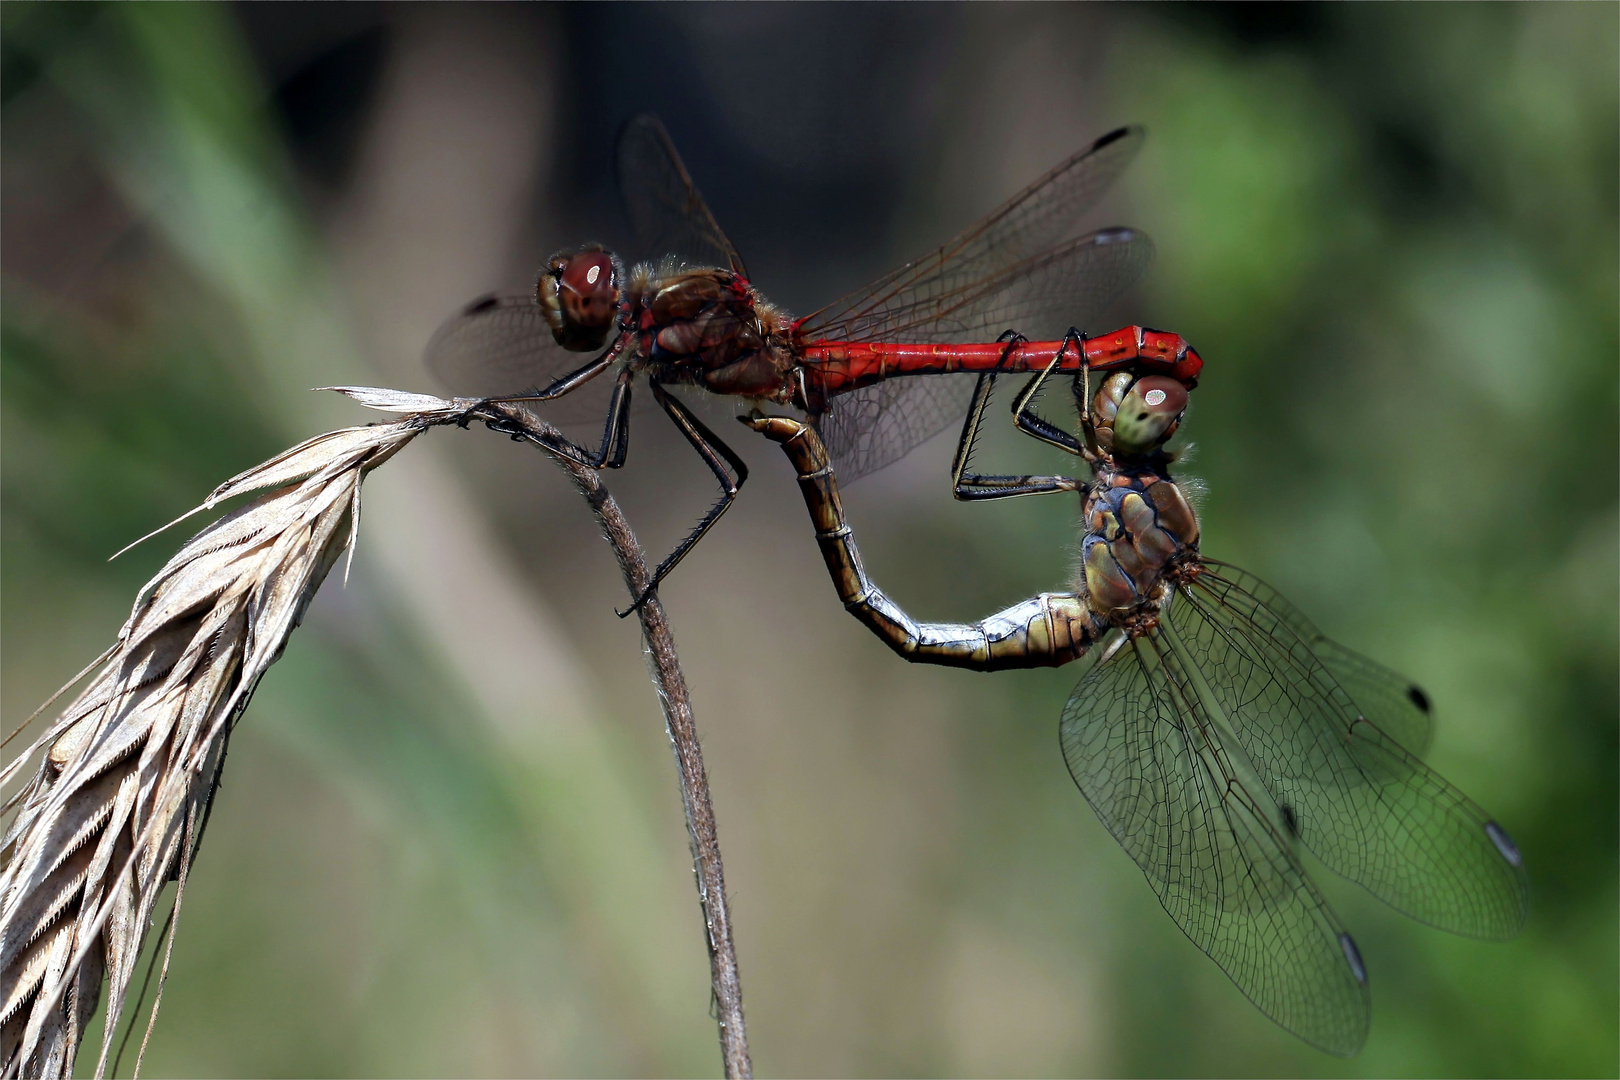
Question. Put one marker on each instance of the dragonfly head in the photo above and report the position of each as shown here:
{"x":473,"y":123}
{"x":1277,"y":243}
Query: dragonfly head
{"x":1135,"y":416}
{"x":579,"y":292}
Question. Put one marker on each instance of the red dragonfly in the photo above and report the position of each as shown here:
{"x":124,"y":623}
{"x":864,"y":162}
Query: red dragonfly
{"x":694,"y":318}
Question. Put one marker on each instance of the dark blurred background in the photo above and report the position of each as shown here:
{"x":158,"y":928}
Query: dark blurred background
{"x":449,"y":839}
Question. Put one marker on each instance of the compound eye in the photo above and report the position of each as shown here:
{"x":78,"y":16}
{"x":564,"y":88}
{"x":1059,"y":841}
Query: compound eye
{"x":1160,"y":395}
{"x":1148,"y":414}
{"x":589,"y":290}
{"x":578,"y":292}
{"x":1106,"y":402}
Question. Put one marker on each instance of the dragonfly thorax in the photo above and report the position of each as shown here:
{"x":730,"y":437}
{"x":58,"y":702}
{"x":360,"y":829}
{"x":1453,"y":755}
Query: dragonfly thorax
{"x":709,"y":326}
{"x":1139,"y":528}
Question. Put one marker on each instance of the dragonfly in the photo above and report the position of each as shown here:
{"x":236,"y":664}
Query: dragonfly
{"x":1216,"y":732}
{"x":692,"y":317}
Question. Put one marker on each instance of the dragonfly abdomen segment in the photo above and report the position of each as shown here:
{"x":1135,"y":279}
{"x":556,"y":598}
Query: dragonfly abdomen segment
{"x":1047,"y":630}
{"x":840,"y":366}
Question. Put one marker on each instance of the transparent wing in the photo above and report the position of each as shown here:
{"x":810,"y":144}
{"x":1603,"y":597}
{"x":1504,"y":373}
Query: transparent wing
{"x":1367,"y":807}
{"x":1065,"y":285}
{"x":1216,"y":849}
{"x":1395,"y":704}
{"x":1040,"y":297}
{"x":876,"y":425}
{"x":1037,"y":219}
{"x":500,"y":345}
{"x":666,"y":208}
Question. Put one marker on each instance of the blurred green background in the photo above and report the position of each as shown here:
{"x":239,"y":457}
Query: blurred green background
{"x":449,"y":839}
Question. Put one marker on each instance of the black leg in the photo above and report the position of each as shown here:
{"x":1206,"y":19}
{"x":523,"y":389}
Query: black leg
{"x":1023,"y":406}
{"x":977,"y":487}
{"x":717,"y":455}
{"x":574,"y":379}
{"x":615,"y":432}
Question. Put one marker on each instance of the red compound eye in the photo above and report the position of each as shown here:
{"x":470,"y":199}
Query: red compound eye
{"x":1160,"y":395}
{"x":579,"y":293}
{"x":589,"y":290}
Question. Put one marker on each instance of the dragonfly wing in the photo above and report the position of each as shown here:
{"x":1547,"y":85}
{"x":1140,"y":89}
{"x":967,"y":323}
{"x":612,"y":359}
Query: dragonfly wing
{"x":664,"y":204}
{"x":1364,"y":804}
{"x":502,"y":345}
{"x":1068,"y":284}
{"x":1041,"y":297}
{"x":1395,"y":704}
{"x":1042,"y":216}
{"x":877,"y":425}
{"x":1153,"y":764}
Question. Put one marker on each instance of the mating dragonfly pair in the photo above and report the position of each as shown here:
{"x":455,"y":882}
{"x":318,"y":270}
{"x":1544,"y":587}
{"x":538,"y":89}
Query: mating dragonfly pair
{"x":1216,"y":732}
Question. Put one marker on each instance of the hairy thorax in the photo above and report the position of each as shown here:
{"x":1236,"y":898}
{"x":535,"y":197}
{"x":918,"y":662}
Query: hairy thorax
{"x":710,"y":327}
{"x":1140,"y":532}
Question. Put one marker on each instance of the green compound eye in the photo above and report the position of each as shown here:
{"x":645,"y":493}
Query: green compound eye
{"x":1148,"y":414}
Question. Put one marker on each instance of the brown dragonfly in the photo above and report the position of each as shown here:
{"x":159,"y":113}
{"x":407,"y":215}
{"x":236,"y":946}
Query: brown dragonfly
{"x":692,"y":317}
{"x":1216,"y":731}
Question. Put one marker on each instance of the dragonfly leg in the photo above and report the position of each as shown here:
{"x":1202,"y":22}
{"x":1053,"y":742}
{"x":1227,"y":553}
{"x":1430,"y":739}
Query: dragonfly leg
{"x":615,"y":432}
{"x":1023,"y":407}
{"x":975,"y":487}
{"x":574,"y":379}
{"x":717,"y":455}
{"x":1043,"y":631}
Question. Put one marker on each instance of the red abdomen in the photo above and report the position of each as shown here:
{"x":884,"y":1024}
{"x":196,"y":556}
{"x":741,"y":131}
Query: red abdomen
{"x":836,"y":367}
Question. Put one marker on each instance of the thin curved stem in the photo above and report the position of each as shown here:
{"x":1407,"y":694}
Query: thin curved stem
{"x":665,"y":667}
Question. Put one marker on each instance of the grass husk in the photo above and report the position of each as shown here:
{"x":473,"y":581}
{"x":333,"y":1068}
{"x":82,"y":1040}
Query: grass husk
{"x":126,"y":773}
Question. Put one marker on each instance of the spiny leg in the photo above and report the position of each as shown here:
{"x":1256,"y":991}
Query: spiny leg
{"x":574,"y":379}
{"x":615,"y":432}
{"x":974,"y":487}
{"x":717,"y":455}
{"x":1023,"y":406}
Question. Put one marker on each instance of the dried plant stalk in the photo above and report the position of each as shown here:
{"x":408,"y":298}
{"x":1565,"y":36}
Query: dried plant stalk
{"x":665,"y":666}
{"x":120,"y":796}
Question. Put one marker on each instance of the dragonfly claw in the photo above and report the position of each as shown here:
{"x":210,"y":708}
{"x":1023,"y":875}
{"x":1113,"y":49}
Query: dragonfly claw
{"x":646,"y":594}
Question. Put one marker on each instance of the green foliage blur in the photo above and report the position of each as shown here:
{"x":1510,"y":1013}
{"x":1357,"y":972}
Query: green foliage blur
{"x":449,"y":838}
